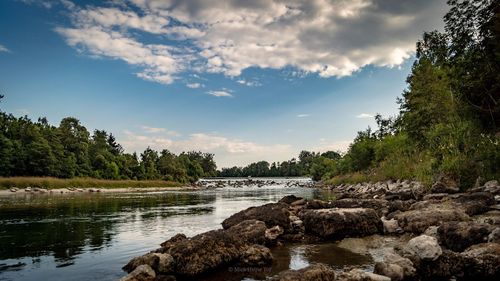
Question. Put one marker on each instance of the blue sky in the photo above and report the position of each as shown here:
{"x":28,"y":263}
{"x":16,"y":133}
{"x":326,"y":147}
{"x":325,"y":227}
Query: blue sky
{"x":244,"y":80}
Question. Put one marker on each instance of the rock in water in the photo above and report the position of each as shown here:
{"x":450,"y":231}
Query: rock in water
{"x":271,"y":214}
{"x":395,"y":267}
{"x":340,"y":223}
{"x":424,"y":247}
{"x":315,"y":272}
{"x":141,"y":273}
{"x":417,"y":221}
{"x":256,"y":255}
{"x":206,"y":251}
{"x":251,"y":231}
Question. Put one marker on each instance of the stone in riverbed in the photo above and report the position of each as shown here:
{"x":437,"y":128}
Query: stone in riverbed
{"x":256,"y":255}
{"x":340,"y":223}
{"x":395,"y":267}
{"x":141,"y":273}
{"x":457,"y":236}
{"x":315,"y":272}
{"x":165,"y":246}
{"x":271,"y":214}
{"x":417,"y":221}
{"x":162,"y":263}
{"x":251,"y":231}
{"x":206,"y":251}
{"x":424,"y":247}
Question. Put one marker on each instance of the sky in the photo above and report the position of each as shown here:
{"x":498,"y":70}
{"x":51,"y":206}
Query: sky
{"x":245,"y":80}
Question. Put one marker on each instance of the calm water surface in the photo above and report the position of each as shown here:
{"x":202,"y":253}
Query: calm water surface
{"x":92,"y":235}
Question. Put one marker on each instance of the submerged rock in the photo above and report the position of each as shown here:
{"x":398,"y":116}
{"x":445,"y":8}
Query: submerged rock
{"x":315,"y":272}
{"x":271,"y":214}
{"x":340,"y":223}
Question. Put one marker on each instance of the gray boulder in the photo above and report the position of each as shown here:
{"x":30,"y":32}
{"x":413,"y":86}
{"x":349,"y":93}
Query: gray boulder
{"x":340,"y":223}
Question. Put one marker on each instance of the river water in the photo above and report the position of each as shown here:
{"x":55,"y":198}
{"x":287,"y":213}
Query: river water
{"x":88,"y":236}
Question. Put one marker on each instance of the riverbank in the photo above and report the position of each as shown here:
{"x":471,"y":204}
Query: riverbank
{"x":49,"y":183}
{"x":427,"y":234}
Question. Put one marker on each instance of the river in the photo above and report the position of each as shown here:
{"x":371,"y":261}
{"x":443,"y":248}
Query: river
{"x":85,"y":236}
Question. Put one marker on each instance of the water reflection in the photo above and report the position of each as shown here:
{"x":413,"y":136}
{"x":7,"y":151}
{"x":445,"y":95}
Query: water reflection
{"x":91,"y":236}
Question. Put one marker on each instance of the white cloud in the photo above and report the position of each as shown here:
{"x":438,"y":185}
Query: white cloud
{"x":228,"y":152}
{"x":365,"y":115}
{"x":157,"y":61}
{"x":303,"y":115}
{"x":4,"y":49}
{"x":248,"y":83}
{"x":194,"y":85}
{"x":220,"y":93}
{"x":328,"y":38}
{"x":154,"y":130}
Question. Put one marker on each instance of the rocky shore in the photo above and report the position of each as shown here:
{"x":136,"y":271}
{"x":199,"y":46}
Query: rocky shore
{"x":440,"y":233}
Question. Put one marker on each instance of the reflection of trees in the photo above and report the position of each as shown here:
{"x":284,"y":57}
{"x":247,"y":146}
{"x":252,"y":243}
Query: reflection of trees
{"x":64,"y":226}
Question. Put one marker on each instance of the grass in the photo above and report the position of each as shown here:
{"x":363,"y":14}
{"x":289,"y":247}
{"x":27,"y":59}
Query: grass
{"x":53,"y":183}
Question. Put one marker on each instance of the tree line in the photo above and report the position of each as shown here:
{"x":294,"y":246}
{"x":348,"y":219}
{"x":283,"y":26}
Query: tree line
{"x":30,"y":148}
{"x":312,"y":164}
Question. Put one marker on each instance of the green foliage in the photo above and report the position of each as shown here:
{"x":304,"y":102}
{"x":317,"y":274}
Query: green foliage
{"x":38,"y":149}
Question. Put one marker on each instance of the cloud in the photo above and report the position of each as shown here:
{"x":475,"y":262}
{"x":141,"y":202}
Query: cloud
{"x":194,"y":85}
{"x":228,"y":151}
{"x":220,"y":93}
{"x":153,"y":130}
{"x":252,"y":83}
{"x":302,"y":115}
{"x":4,"y":49}
{"x":323,"y":37}
{"x":157,"y":61}
{"x":364,"y":115}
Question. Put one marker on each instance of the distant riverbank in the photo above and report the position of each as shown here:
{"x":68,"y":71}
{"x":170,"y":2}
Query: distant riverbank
{"x":7,"y":183}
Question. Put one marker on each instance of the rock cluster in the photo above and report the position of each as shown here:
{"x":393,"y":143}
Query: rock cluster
{"x":451,"y":235}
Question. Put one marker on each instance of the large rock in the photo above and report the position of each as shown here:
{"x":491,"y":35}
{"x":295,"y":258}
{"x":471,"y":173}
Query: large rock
{"x":141,"y":273}
{"x":315,"y":272}
{"x":424,"y":247}
{"x":340,"y":223}
{"x":417,"y":221}
{"x":256,"y":255}
{"x":271,"y":214}
{"x":395,"y":267}
{"x":206,"y":251}
{"x":458,"y":236}
{"x":250,"y":231}
{"x":162,"y":263}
